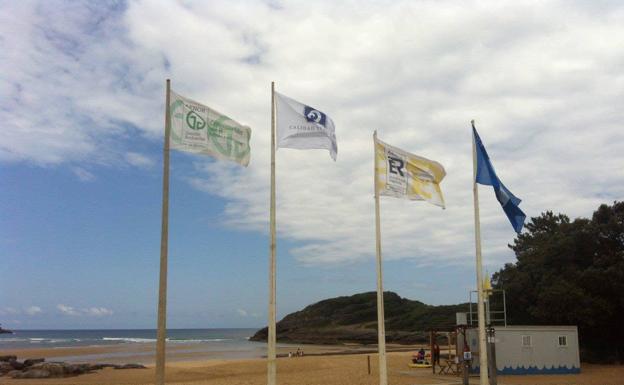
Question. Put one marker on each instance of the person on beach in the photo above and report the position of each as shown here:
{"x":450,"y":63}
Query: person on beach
{"x":419,"y":357}
{"x":435,"y":355}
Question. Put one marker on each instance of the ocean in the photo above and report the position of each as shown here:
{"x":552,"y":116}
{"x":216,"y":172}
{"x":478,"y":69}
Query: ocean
{"x":139,"y":344}
{"x":71,"y":338}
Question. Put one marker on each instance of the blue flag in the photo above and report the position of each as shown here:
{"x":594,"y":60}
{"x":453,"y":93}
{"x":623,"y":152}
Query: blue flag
{"x":487,"y":176}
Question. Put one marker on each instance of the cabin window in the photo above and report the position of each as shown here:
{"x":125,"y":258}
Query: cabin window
{"x":563,"y":341}
{"x":526,"y":341}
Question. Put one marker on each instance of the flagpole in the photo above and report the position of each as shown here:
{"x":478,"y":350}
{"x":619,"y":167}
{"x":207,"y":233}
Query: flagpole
{"x":164,"y":240}
{"x":483,"y":361}
{"x":272,"y":340}
{"x":381,"y":328}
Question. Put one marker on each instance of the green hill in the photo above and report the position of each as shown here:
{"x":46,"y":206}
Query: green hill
{"x":354,"y":319}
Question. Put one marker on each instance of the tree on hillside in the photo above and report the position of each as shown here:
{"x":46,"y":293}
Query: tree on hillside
{"x":571,"y":273}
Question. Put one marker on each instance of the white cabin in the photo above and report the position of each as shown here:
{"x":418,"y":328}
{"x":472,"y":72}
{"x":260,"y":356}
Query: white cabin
{"x":531,"y":349}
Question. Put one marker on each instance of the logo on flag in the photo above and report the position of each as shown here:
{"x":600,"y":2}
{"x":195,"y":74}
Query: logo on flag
{"x":303,"y":127}
{"x":195,"y":121}
{"x":314,"y":116}
{"x":396,"y":165}
{"x":404,"y":175}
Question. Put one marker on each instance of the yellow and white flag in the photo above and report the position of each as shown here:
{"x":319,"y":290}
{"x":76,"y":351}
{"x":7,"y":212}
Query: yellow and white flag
{"x":201,"y":130}
{"x":404,"y":175}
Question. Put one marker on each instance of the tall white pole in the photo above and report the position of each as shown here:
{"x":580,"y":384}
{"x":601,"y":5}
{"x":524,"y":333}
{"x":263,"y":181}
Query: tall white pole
{"x":272,"y":338}
{"x":164,"y":241}
{"x":381,"y":328}
{"x":483,"y":361}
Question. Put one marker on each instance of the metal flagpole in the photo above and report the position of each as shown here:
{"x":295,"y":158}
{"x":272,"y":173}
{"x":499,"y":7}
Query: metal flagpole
{"x":164,"y":240}
{"x":381,"y":329}
{"x":271,"y":366}
{"x":483,"y":360}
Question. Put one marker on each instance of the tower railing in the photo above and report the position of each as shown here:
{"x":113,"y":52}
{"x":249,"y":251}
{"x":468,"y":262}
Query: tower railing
{"x":495,"y":307}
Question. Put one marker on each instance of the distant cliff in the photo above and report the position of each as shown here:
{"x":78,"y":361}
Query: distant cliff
{"x":354,"y":320}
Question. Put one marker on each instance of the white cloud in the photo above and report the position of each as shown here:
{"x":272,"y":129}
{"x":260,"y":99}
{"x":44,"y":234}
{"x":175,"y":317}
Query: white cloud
{"x":139,"y":160}
{"x":90,"y":311}
{"x":83,"y":174}
{"x":245,"y":313}
{"x":74,"y":86}
{"x":97,"y":312}
{"x":9,"y":311}
{"x":33,"y":310}
{"x":67,"y":310}
{"x":542,"y":80}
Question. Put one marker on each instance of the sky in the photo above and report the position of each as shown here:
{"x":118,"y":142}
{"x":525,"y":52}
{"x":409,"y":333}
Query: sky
{"x":82,"y":94}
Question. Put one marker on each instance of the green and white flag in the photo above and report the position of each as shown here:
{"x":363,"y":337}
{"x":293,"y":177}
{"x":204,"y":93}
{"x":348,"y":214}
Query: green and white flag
{"x":201,"y":130}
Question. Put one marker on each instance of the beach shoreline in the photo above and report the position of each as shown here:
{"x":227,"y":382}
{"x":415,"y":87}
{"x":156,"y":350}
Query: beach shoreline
{"x":144,"y":353}
{"x":332,"y":369}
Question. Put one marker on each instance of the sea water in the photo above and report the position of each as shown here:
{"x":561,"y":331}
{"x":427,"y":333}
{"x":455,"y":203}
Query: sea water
{"x":198,"y":343}
{"x":70,"y":338}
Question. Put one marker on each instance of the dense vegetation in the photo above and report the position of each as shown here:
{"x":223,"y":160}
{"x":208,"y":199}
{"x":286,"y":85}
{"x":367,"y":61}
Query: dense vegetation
{"x":354,"y":319}
{"x":571,"y":273}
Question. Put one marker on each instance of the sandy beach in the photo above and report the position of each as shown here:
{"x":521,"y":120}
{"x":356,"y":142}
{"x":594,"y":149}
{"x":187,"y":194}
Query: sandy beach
{"x":348,"y":369}
{"x":144,"y":353}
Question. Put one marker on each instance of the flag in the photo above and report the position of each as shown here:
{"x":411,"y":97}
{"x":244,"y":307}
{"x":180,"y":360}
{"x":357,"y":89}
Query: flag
{"x":404,"y":175}
{"x":487,"y":286}
{"x":201,"y":130}
{"x":303,"y":127}
{"x":487,"y":176}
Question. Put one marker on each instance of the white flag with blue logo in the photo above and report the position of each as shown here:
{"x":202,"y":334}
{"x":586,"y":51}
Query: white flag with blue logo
{"x":303,"y":127}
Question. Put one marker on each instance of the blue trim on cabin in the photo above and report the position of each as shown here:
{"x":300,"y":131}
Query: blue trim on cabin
{"x":521,"y":370}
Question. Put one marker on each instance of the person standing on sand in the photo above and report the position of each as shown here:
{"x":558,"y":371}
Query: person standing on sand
{"x":435,"y":355}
